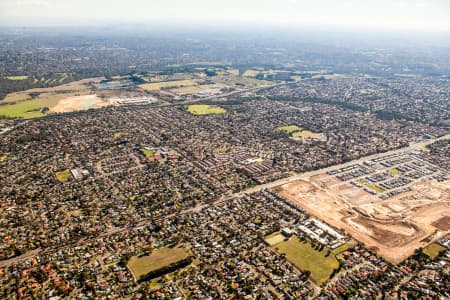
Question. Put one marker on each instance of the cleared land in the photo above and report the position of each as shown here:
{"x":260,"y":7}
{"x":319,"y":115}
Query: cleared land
{"x":202,"y":109}
{"x":305,"y":257}
{"x":393,"y":227}
{"x":163,"y":257}
{"x":78,"y":103}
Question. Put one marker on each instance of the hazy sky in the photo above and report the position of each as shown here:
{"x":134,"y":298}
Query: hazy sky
{"x":386,"y":14}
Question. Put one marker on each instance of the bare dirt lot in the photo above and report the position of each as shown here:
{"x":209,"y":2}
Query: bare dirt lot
{"x":79,"y":103}
{"x":443,"y":223}
{"x":394,"y":227}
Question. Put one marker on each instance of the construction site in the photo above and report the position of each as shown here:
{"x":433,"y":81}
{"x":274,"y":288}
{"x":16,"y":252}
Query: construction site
{"x":392,"y":226}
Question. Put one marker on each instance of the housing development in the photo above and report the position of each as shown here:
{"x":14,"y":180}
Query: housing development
{"x":194,"y":178}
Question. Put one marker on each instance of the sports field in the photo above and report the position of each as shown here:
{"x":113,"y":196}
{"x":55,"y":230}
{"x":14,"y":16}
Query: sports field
{"x":63,"y":176}
{"x":163,"y":257}
{"x":203,"y":109}
{"x":274,"y":239}
{"x":304,"y":257}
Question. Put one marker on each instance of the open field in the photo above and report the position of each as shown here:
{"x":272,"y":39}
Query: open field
{"x":442,"y":224}
{"x":299,"y":133}
{"x":203,"y":109}
{"x":251,"y":73}
{"x":17,"y":77}
{"x":63,"y":176}
{"x":433,"y":250}
{"x":238,"y":81}
{"x":274,"y":239}
{"x":69,"y":97}
{"x":74,"y":96}
{"x":289,"y":128}
{"x":26,"y":109}
{"x":27,"y":104}
{"x":58,"y":103}
{"x":167,"y":84}
{"x":223,"y":149}
{"x":163,"y":257}
{"x":149,"y":153}
{"x":304,"y":257}
{"x":193,"y":89}
{"x":211,"y":88}
{"x":81,"y":86}
{"x":393,"y":227}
